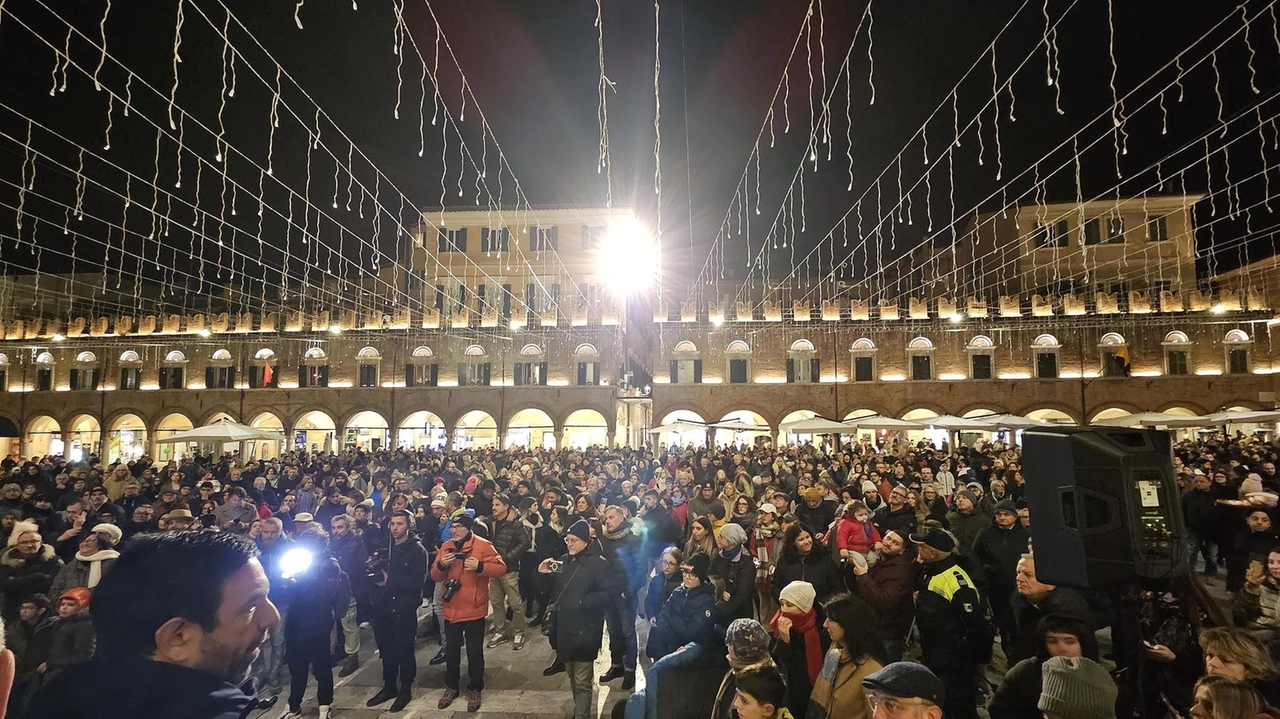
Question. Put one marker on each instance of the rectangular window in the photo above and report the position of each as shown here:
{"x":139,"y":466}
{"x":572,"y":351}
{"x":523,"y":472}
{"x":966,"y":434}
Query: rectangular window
{"x":1115,"y":230}
{"x":220,"y":377}
{"x":172,"y":378}
{"x":1047,"y":365}
{"x":368,"y":375}
{"x":439,"y":298}
{"x":864,"y":369}
{"x":130,"y":377}
{"x":1157,"y":228}
{"x":1238,"y":361}
{"x":530,"y":374}
{"x":1177,"y":361}
{"x":257,"y":377}
{"x":544,"y":239}
{"x":506,"y":302}
{"x":1092,"y":232}
{"x":1047,"y":235}
{"x":592,"y":236}
{"x":421,"y":375}
{"x":801,"y":370}
{"x":453,"y":240}
{"x":84,"y":378}
{"x":313,"y":376}
{"x":737,"y":371}
{"x":473,"y":374}
{"x":588,"y":374}
{"x":1111,"y":365}
{"x":44,"y":380}
{"x":980,"y":366}
{"x":921,"y":367}
{"x":4,"y":380}
{"x":495,"y":240}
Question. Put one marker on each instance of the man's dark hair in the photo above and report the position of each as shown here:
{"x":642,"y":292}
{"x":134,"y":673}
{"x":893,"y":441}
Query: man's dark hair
{"x":502,"y":497}
{"x":237,"y":492}
{"x":764,"y":684}
{"x":159,"y":577}
{"x":1067,"y":624}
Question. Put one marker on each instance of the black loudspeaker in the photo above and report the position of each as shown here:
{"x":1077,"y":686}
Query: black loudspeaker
{"x":1105,"y":507}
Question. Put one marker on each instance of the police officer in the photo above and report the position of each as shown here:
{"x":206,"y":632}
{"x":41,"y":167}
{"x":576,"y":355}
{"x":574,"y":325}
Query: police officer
{"x":396,"y":594}
{"x":955,"y":631}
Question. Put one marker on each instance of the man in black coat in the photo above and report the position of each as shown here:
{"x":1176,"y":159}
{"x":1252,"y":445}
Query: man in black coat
{"x":320,"y":593}
{"x":887,"y":586}
{"x":1036,"y":600}
{"x":997,"y":550}
{"x":899,"y":517}
{"x":352,"y":555}
{"x":1201,"y":516}
{"x":395,"y":599}
{"x":585,"y":586}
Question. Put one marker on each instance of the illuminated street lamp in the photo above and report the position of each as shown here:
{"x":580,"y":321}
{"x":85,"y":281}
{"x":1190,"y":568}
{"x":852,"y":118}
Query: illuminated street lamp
{"x":628,"y":260}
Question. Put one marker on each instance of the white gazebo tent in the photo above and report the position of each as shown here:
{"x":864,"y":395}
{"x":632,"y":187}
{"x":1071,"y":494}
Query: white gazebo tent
{"x":221,"y":433}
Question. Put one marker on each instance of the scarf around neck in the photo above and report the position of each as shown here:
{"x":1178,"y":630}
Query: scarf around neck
{"x":95,"y":564}
{"x":807,"y":626}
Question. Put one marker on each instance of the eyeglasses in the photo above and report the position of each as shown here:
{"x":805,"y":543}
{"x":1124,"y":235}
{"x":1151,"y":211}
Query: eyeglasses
{"x":892,"y":704}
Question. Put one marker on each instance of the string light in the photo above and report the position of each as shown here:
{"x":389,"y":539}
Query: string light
{"x":177,"y":59}
{"x":871,"y":60}
{"x":603,"y":164}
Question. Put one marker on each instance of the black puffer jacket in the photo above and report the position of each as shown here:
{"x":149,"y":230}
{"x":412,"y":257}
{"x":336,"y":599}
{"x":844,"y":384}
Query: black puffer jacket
{"x":997,"y":552}
{"x":817,"y":568}
{"x":510,"y":539}
{"x":21,"y":576}
{"x":688,"y":616}
{"x":584,"y":588}
{"x":72,"y":641}
{"x":30,"y":645}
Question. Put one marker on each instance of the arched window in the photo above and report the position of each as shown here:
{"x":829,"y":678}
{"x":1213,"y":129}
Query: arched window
{"x":586,"y":350}
{"x":264,"y":354}
{"x":4,"y":358}
{"x":44,"y":358}
{"x":221,"y":356}
{"x":423,"y":351}
{"x":315,"y":353}
{"x":864,"y":359}
{"x":4,"y":372}
{"x":475,"y":351}
{"x":587,"y":366}
{"x":129,"y":356}
{"x":474,"y":370}
{"x":685,"y":346}
{"x":738,"y":346}
{"x":1113,"y":339}
{"x":739,"y":359}
{"x":86,"y":358}
{"x":1239,"y":359}
{"x":1176,"y":338}
{"x":920,"y":343}
{"x":313,"y":371}
{"x":175,"y":357}
{"x":981,"y":357}
{"x":369,"y":353}
{"x":1045,"y":350}
{"x":1177,"y":353}
{"x":85,"y":374}
{"x":531,"y":350}
{"x":367,"y":369}
{"x":802,"y":346}
{"x":421,"y":370}
{"x":920,"y":353}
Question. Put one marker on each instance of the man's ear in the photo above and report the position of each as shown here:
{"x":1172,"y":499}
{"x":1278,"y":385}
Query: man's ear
{"x":177,"y":641}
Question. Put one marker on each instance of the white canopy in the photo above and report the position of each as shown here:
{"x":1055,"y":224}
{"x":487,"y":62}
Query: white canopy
{"x":954,"y":423}
{"x":736,"y":426}
{"x":1242,"y":417}
{"x":1151,"y":419}
{"x":876,"y":421}
{"x":816,"y":425}
{"x":678,"y":426}
{"x":1012,"y":421}
{"x":222,"y":432}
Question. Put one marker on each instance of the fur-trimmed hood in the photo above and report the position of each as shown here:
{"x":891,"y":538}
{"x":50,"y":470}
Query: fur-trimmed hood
{"x":11,"y":557}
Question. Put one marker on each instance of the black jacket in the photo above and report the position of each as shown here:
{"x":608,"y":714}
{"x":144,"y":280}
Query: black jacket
{"x":406,"y":566}
{"x":688,"y":616}
{"x":584,"y":589}
{"x":739,"y":577}
{"x":1062,"y":600}
{"x":30,"y":645}
{"x":22,"y":576}
{"x":1200,"y":512}
{"x":317,"y":599}
{"x":352,"y":555}
{"x":156,"y":690}
{"x":1018,"y":694}
{"x":901,"y":520}
{"x":818,"y":518}
{"x":817,"y":568}
{"x":510,"y":539}
{"x":997,"y":551}
{"x":72,"y":641}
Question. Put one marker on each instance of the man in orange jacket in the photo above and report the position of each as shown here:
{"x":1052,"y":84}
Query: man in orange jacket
{"x":464,"y":565}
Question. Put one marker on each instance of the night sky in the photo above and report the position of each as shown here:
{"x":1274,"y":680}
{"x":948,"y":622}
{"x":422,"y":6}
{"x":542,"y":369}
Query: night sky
{"x":532,"y":65}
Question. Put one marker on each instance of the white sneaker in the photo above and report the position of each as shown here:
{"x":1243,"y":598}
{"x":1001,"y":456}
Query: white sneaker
{"x":291,"y":715}
{"x":324,"y":711}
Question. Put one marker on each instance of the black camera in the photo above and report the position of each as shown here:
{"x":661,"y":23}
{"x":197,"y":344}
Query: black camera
{"x":451,"y":588}
{"x":375,"y":567}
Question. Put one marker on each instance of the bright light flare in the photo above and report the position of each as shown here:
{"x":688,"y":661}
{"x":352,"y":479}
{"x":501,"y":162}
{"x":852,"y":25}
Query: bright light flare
{"x":628,"y":260}
{"x":295,"y":562}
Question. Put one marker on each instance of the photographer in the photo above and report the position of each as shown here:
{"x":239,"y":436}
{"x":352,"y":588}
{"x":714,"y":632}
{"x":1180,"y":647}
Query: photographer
{"x":464,"y":566}
{"x":319,"y":591}
{"x":397,"y":575}
{"x":582,"y":594}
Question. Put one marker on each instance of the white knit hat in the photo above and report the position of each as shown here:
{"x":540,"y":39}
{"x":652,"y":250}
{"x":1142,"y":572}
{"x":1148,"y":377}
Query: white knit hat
{"x":800,"y":594}
{"x":20,"y":529}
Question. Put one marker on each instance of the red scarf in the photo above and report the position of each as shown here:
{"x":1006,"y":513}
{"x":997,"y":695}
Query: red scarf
{"x":807,"y":625}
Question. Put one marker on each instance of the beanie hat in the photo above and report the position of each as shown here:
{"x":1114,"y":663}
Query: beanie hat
{"x":973,"y":498}
{"x":733,"y":534}
{"x":699,"y":564}
{"x":581,"y":530}
{"x":20,"y":529}
{"x":1006,"y":505}
{"x":869,"y":486}
{"x":748,"y":640}
{"x":466,"y":520}
{"x":800,"y":594}
{"x":79,"y":595}
{"x":1252,"y":483}
{"x":1077,"y":688}
{"x":811,"y":494}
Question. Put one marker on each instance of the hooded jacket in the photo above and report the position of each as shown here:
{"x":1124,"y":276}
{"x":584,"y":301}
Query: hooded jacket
{"x":688,"y":616}
{"x":157,"y":690}
{"x":472,"y":599}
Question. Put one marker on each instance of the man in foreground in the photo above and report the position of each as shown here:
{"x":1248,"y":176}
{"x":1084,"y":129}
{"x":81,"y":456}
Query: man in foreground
{"x":180,"y":620}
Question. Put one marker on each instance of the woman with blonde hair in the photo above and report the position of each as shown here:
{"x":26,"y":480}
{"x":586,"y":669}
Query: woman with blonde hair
{"x":1222,"y":698}
{"x":1233,"y":653}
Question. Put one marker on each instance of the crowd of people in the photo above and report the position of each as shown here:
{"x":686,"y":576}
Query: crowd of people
{"x":774,"y":582}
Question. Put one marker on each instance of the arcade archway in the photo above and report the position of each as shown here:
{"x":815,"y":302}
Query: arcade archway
{"x":530,"y":428}
{"x":476,"y":429}
{"x":584,"y":428}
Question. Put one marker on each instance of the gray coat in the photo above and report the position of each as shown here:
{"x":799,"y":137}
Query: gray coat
{"x":76,"y":574}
